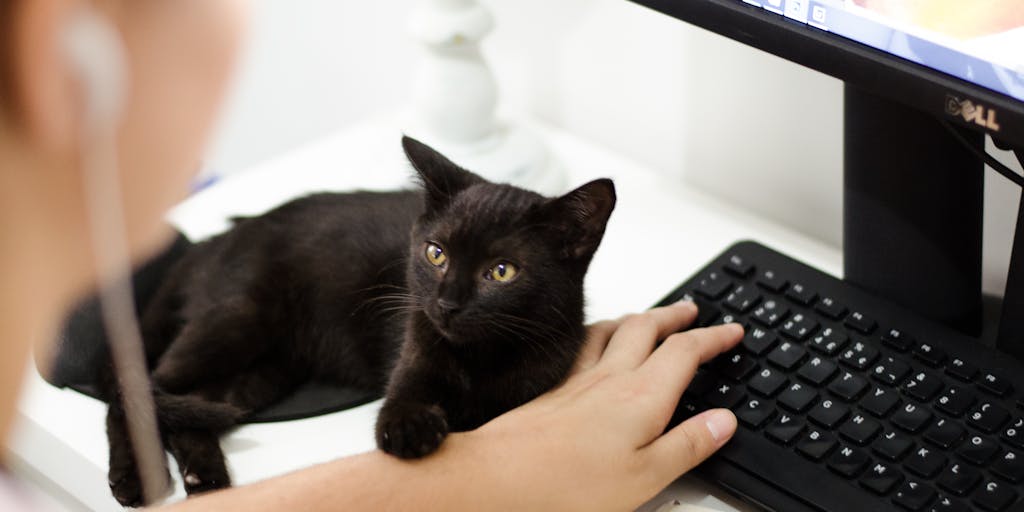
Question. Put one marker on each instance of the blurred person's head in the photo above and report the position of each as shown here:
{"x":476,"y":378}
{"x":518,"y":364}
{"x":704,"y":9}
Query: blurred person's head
{"x":179,"y":58}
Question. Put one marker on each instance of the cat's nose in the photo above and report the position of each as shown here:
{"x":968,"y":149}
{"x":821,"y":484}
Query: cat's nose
{"x":448,"y":307}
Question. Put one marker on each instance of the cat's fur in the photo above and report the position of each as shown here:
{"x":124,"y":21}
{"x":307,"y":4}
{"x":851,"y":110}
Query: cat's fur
{"x":337,"y":287}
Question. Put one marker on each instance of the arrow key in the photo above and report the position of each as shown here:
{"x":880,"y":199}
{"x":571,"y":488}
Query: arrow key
{"x":945,"y":504}
{"x":914,"y":495}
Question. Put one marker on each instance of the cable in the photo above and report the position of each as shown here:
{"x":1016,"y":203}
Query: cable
{"x":118,"y":309}
{"x":989,"y":160}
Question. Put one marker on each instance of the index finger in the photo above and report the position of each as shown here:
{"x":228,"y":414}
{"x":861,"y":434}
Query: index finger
{"x":634,"y":341}
{"x":675,"y":362}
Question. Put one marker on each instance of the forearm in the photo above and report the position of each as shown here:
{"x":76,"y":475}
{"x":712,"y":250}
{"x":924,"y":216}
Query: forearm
{"x":369,"y":481}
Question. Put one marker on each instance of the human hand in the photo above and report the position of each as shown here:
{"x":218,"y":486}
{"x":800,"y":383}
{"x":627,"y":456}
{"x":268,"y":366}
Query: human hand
{"x":598,"y":442}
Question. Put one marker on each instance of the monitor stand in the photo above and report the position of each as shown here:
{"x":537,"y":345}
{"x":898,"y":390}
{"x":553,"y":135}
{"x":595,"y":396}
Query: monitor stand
{"x":912,"y":212}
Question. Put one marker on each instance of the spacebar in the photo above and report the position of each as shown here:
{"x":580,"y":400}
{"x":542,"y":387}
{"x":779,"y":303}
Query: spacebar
{"x":798,"y":477}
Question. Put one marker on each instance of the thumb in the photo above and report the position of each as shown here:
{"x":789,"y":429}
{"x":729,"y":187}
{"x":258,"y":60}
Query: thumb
{"x":689,"y":443}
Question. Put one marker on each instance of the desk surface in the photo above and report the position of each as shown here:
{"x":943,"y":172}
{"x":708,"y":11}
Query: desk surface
{"x":661,"y":232}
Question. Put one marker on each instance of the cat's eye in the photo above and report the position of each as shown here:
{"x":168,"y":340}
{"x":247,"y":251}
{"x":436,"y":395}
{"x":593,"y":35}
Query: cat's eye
{"x":503,"y":272}
{"x":435,"y":255}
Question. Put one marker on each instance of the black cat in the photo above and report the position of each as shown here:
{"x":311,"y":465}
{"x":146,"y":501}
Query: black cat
{"x":463,"y":300}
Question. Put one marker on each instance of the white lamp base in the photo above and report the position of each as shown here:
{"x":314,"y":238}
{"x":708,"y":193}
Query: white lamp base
{"x":511,"y":154}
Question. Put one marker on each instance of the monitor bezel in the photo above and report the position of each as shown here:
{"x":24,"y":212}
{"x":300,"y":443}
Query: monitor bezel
{"x":858,"y":65}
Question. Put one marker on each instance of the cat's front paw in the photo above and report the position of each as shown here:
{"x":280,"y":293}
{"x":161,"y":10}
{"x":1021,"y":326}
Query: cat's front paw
{"x":409,"y":430}
{"x":125,"y":486}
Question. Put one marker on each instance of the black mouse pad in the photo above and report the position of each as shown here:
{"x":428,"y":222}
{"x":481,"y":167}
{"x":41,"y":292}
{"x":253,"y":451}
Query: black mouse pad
{"x":81,"y":348}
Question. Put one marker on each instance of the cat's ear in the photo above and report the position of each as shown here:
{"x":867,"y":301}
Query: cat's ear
{"x":440,"y":177}
{"x":581,"y":216}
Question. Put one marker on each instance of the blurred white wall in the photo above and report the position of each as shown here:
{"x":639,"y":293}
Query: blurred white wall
{"x":731,"y":120}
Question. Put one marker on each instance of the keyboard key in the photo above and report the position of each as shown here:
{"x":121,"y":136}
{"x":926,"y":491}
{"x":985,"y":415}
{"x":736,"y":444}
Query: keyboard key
{"x":798,"y":397}
{"x":703,"y":382}
{"x":758,"y":341}
{"x":947,"y":504}
{"x":896,"y":339}
{"x":799,"y":327}
{"x":1014,"y":433}
{"x":688,"y":407}
{"x":925,"y":462}
{"x":848,"y":386}
{"x":754,"y":413}
{"x":959,"y":479}
{"x":955,"y":401}
{"x":890,"y":371}
{"x":978,"y":450}
{"x":801,"y":295}
{"x":817,"y":371}
{"x":738,"y":266}
{"x":995,"y":384}
{"x":728,"y":318}
{"x":829,"y":341}
{"x":911,"y":417}
{"x":770,"y":313}
{"x":735,"y":365}
{"x":713,"y":286}
{"x":784,"y":429}
{"x":859,"y":355}
{"x":994,"y":496}
{"x":962,"y":369}
{"x":861,"y":323}
{"x":830,"y":308}
{"x":707,"y":313}
{"x":767,"y":382}
{"x":923,"y":386}
{"x":742,"y":299}
{"x":848,"y":461}
{"x":1010,"y":465}
{"x":914,"y":495}
{"x":724,"y":395}
{"x":779,"y":467}
{"x":828,"y":414}
{"x":787,"y":355}
{"x":879,"y":401}
{"x":930,"y":354}
{"x":944,"y":433}
{"x":988,"y":417}
{"x":892,"y":445}
{"x":881,"y":478}
{"x":816,"y":444}
{"x":771,"y":281}
{"x":860,"y":429}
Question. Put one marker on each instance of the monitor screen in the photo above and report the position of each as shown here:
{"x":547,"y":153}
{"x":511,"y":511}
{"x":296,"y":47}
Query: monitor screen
{"x":980,"y":41}
{"x":959,"y":60}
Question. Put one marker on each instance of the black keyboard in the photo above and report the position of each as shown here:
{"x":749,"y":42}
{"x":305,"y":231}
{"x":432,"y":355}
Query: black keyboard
{"x":848,"y":402}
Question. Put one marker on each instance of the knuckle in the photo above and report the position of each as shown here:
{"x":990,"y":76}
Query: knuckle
{"x":693,"y":444}
{"x":645,"y":322}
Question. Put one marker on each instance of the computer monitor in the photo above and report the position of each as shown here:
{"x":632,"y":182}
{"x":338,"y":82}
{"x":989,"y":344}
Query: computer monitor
{"x":925,"y":80}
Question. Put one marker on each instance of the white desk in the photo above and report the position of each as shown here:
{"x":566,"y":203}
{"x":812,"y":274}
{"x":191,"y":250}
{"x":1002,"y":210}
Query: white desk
{"x":661,"y":232}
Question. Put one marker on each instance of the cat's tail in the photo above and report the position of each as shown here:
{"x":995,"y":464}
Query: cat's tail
{"x":192,"y":412}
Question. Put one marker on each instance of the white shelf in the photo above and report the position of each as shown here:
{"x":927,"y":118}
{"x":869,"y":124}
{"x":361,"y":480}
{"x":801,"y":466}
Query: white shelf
{"x":661,"y":232}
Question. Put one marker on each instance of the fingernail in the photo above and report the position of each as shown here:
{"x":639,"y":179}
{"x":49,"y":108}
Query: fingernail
{"x":686,"y":303}
{"x":738,"y":327}
{"x":721,"y":423}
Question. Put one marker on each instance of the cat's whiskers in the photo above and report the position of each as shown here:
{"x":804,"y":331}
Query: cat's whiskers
{"x":544,"y":338}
